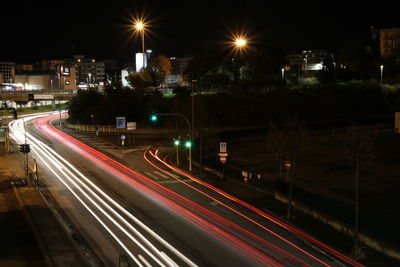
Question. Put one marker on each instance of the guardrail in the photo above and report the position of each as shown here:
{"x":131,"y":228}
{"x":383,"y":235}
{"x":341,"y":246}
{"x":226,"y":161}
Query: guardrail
{"x":113,"y":129}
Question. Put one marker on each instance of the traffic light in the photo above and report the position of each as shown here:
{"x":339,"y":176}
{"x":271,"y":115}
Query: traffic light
{"x":153,"y":117}
{"x":177,"y":142}
{"x":24,"y":148}
{"x":188,"y":144}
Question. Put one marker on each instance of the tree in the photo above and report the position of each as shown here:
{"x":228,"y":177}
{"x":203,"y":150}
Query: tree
{"x":276,"y":144}
{"x":140,"y":80}
{"x":358,"y":150}
{"x":288,"y":143}
{"x":296,"y":138}
{"x":158,"y":68}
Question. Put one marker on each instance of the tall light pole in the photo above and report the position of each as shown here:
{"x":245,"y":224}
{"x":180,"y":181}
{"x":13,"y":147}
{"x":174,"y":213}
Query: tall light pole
{"x":381,"y":74}
{"x":140,"y":27}
{"x":239,"y":45}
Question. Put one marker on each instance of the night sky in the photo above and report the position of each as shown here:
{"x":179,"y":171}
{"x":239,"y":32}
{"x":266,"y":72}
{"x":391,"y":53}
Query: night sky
{"x":34,"y":30}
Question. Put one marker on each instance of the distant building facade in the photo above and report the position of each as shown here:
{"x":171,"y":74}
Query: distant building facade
{"x":310,"y":61}
{"x":7,"y":72}
{"x":179,"y":65}
{"x":389,"y":42}
{"x":63,"y":80}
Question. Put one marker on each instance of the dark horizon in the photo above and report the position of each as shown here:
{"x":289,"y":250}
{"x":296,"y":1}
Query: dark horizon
{"x":101,"y":30}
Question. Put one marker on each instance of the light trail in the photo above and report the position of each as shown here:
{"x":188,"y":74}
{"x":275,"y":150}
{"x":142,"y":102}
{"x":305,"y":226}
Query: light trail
{"x":244,"y":249}
{"x":265,"y":242}
{"x":46,"y":154}
{"x":235,"y":243}
{"x":261,"y":213}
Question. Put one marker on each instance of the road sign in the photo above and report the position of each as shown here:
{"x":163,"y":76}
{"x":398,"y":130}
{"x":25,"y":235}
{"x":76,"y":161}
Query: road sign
{"x":223,"y":154}
{"x":131,"y":125}
{"x":287,"y":164}
{"x":123,"y":137}
{"x":121,"y":122}
{"x":222,"y":147}
{"x":222,"y":159}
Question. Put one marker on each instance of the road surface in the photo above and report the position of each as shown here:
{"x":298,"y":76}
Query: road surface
{"x":157,"y":215}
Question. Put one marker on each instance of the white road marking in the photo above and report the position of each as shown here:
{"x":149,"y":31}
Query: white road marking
{"x":161,"y":174}
{"x":151,"y":175}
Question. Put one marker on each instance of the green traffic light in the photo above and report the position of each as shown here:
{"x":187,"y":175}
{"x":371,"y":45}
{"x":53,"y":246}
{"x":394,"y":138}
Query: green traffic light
{"x":188,"y":144}
{"x":176,"y":142}
{"x":153,"y":117}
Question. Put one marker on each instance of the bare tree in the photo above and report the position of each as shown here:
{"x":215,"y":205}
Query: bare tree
{"x":276,"y":143}
{"x":358,"y":150}
{"x":296,"y":142}
{"x":288,"y":143}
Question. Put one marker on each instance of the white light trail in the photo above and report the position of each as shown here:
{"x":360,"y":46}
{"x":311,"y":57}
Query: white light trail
{"x":70,"y":174}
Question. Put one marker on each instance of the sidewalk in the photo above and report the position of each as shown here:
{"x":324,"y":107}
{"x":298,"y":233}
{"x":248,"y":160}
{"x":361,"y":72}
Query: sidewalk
{"x":33,"y":219}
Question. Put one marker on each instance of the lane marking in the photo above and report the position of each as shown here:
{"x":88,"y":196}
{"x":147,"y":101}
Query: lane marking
{"x":151,"y":175}
{"x":161,"y":174}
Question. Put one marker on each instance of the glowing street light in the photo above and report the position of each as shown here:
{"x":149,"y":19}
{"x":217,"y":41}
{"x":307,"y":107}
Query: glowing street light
{"x":140,"y":27}
{"x":240,"y":42}
{"x":381,"y":74}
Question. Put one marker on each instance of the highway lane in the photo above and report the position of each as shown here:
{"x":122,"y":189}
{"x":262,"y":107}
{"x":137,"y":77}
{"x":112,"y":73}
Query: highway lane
{"x":108,"y":226}
{"x":212,"y":230}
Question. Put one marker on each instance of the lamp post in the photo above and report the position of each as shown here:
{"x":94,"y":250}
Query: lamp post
{"x":283,"y":73}
{"x":239,"y":44}
{"x":140,"y":27}
{"x":90,"y":78}
{"x":381,"y":74}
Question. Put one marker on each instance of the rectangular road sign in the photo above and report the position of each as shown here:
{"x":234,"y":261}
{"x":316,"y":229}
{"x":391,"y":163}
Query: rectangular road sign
{"x":121,"y":122}
{"x":222,"y":147}
{"x":223,"y":154}
{"x":131,"y":125}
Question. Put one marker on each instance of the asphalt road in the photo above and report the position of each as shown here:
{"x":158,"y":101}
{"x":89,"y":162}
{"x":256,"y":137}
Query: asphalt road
{"x":133,"y":203}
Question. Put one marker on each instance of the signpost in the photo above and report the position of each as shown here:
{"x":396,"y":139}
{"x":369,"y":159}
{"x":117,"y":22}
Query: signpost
{"x":123,"y":140}
{"x":121,"y":122}
{"x":131,"y":125}
{"x":288,"y":165}
{"x":223,"y":154}
{"x":397,"y":122}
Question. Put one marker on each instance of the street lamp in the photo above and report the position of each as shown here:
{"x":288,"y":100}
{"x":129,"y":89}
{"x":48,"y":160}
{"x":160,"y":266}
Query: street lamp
{"x":140,"y":27}
{"x":381,"y":74}
{"x":283,"y":73}
{"x":90,"y":78}
{"x":240,"y":44}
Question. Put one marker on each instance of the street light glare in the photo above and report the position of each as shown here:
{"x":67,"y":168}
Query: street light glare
{"x":240,"y":42}
{"x":139,"y":26}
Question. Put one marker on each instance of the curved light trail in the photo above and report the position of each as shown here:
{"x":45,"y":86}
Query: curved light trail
{"x":252,"y":208}
{"x":128,"y":231}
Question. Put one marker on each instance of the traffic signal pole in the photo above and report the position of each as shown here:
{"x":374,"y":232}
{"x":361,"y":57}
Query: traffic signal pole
{"x":153,"y":117}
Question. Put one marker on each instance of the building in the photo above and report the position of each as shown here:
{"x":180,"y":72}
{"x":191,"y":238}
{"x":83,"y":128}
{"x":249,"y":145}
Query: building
{"x":37,"y":81}
{"x":63,"y":80}
{"x":179,"y":65}
{"x":389,"y":42}
{"x":7,"y":72}
{"x":89,"y":71}
{"x":310,"y":61}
